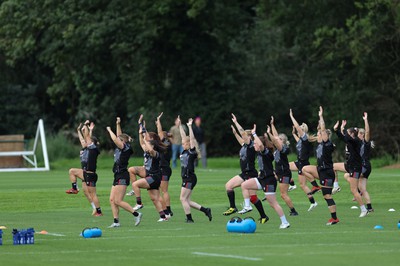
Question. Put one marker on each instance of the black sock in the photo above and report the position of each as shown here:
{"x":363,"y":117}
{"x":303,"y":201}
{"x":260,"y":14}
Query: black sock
{"x":260,"y":208}
{"x":169,"y":209}
{"x":166,"y":212}
{"x":333,"y":214}
{"x":162,"y":214}
{"x":291,"y":182}
{"x":98,"y":210}
{"x":231,"y":196}
{"x":314,"y":183}
{"x":312,"y":201}
{"x":369,"y":206}
{"x":139,"y":200}
{"x":292,"y":209}
{"x":189,"y":216}
{"x":116,"y":220}
{"x":136,"y":214}
{"x":74,"y":186}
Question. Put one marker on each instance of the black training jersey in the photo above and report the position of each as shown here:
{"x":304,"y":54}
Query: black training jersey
{"x":353,"y":147}
{"x":92,"y":153}
{"x":188,"y":158}
{"x":281,"y":161}
{"x":365,"y":151}
{"x":247,"y":156}
{"x":324,"y":155}
{"x":121,"y":158}
{"x":265,"y":159}
{"x":304,"y":148}
{"x":152,"y":164}
{"x":166,"y":156}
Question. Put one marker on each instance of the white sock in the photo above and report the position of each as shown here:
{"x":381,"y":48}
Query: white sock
{"x":363,"y":209}
{"x":335,"y":184}
{"x":283,"y":219}
{"x":93,"y":206}
{"x":247,"y":202}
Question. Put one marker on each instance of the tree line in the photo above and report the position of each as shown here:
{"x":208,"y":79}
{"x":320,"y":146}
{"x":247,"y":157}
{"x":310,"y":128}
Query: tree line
{"x":67,"y":61}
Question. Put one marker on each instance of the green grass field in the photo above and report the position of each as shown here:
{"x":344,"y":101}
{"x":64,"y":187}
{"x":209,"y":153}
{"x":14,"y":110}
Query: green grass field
{"x":37,"y":199}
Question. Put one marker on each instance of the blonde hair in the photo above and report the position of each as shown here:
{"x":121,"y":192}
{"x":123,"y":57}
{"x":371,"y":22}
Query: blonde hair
{"x":284,"y":139}
{"x":125,"y":137}
{"x":304,"y":127}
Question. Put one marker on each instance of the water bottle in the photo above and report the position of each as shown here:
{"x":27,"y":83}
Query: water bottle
{"x":398,"y":225}
{"x":30,"y":236}
{"x":22,"y":237}
{"x":16,"y":237}
{"x":1,"y":237}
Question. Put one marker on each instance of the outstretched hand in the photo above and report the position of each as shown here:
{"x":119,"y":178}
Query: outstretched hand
{"x":179,"y":119}
{"x":321,"y":111}
{"x":140,"y":119}
{"x":335,"y":127}
{"x":118,"y":120}
{"x":79,"y":127}
{"x":268,"y":129}
{"x":290,"y":112}
{"x":234,"y":120}
{"x":158,"y":117}
{"x":253,"y":131}
{"x":365,"y":117}
{"x":189,"y":123}
{"x":91,"y":127}
{"x":272,"y":120}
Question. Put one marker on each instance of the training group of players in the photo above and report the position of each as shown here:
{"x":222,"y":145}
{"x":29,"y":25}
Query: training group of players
{"x":270,"y":149}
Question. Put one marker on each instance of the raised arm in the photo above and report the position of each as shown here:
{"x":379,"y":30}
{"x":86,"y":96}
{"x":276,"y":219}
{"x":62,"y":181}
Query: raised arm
{"x":256,"y":138}
{"x":86,"y":132}
{"x":118,"y":126}
{"x":191,"y":135}
{"x":321,"y":124}
{"x":115,"y":139}
{"x":296,"y":125}
{"x":276,"y":143}
{"x":294,"y":134}
{"x":142,"y":133}
{"x":159,"y":126}
{"x":243,"y":134}
{"x":238,"y":138}
{"x":80,"y":136}
{"x":273,"y":129}
{"x":181,"y":130}
{"x":366,"y":126}
{"x":91,"y":127}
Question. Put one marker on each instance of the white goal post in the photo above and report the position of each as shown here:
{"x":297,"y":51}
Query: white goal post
{"x":30,"y":156}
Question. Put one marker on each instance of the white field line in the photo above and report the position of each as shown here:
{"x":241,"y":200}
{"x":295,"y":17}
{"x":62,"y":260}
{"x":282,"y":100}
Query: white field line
{"x":225,"y":256}
{"x":287,"y":254}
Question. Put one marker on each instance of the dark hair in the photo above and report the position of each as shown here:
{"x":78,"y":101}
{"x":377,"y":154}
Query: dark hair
{"x":267,"y":143}
{"x":95,"y":140}
{"x":353,"y":130}
{"x":156,"y":142}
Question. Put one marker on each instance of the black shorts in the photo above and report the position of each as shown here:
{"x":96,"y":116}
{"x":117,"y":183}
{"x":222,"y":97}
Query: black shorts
{"x":326,"y":177}
{"x":353,"y":172}
{"x":90,"y":179}
{"x":247,"y":175}
{"x":300,"y":165}
{"x":166,"y":173}
{"x":154,"y":181}
{"x":268,"y":184}
{"x":366,"y":170}
{"x":189,"y":182}
{"x":121,"y":179}
{"x":284,"y":179}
